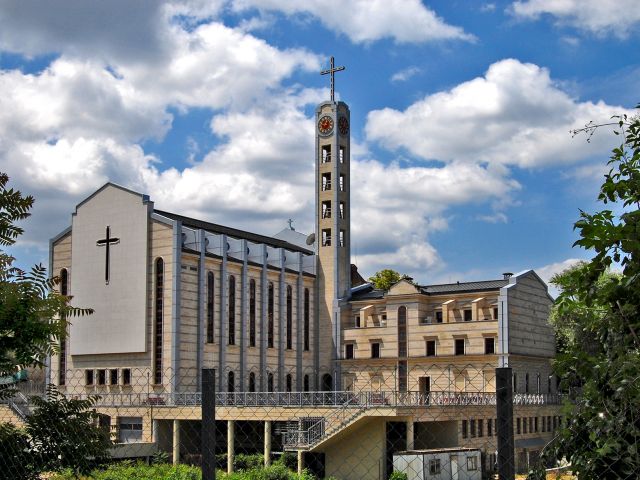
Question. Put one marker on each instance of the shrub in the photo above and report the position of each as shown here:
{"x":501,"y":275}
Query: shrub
{"x":396,"y":475}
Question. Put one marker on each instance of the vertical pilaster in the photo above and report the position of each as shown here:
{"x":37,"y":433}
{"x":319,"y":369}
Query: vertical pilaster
{"x":244,"y":298}
{"x":201,"y":325}
{"x":224,"y":316}
{"x":281,"y":320}
{"x":299,"y":324}
{"x":175,"y":313}
{"x":264,"y":289}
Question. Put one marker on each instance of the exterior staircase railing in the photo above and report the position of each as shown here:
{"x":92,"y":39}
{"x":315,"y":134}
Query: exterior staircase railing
{"x":19,"y":404}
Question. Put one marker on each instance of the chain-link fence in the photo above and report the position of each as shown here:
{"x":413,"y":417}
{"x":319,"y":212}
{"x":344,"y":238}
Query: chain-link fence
{"x":436,"y":421}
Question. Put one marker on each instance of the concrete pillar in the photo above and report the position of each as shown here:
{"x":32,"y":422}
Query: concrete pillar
{"x":231,"y":433}
{"x":300,"y":462}
{"x":176,"y":442}
{"x":410,"y":434}
{"x":267,"y":444}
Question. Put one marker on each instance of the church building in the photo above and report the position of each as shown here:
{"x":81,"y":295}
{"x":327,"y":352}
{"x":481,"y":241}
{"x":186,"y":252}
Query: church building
{"x":283,"y":319}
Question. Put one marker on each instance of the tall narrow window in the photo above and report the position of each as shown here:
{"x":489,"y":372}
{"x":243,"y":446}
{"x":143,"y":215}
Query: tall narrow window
{"x":232,"y":310}
{"x":467,"y":315}
{"x":326,"y":209}
{"x":402,"y":348}
{"x":326,"y":153}
{"x":326,"y":182}
{"x":348,"y":351}
{"x":270,"y":382}
{"x":231,"y":382}
{"x":526,"y":383}
{"x":342,"y":183}
{"x":431,"y":348}
{"x":159,"y":314}
{"x":252,"y":382}
{"x":289,"y":383}
{"x":306,"y":383}
{"x":375,"y":350}
{"x":459,"y":346}
{"x":341,"y":210}
{"x":252,"y":313}
{"x":289,"y":318}
{"x":306,"y":319}
{"x":210,"y":307}
{"x":341,"y":154}
{"x":270,"y":316}
{"x":342,"y":239}
{"x":62,"y":359}
{"x":326,"y":237}
{"x":402,"y":332}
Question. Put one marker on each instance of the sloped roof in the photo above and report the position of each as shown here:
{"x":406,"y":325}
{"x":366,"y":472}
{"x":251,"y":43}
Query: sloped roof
{"x":371,"y":293}
{"x":460,"y":287}
{"x":233,"y":232}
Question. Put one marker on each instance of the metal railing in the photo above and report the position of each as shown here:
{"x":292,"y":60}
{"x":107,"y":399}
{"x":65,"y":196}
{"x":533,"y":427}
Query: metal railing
{"x":339,"y":399}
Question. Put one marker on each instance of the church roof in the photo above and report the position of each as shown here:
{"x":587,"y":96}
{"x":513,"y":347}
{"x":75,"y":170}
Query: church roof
{"x":233,"y":232}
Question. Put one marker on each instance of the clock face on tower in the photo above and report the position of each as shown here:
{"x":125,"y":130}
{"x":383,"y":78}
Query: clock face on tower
{"x":325,"y":125}
{"x":343,"y":125}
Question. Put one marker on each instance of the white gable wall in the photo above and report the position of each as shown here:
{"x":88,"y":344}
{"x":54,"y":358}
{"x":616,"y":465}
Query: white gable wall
{"x":118,"y":324}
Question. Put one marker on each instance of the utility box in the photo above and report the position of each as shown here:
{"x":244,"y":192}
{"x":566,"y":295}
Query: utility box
{"x":440,"y":464}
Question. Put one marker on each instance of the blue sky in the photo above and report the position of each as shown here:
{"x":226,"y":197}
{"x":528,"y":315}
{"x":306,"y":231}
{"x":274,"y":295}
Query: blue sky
{"x":462,"y":162}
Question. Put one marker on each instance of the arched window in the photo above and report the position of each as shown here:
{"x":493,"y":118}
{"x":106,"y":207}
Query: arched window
{"x":306,"y":319}
{"x":289,"y":383}
{"x":270,"y":316}
{"x":231,"y":382}
{"x":210,"y":306}
{"x":232,"y":310}
{"x":159,"y":315}
{"x":289,"y":318}
{"x":252,"y":313}
{"x":270,"y":382}
{"x":62,"y":358}
{"x":306,"y":383}
{"x":327,"y":383}
{"x":252,"y":382}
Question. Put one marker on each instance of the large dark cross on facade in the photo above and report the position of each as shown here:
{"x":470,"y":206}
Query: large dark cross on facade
{"x":107,"y":242}
{"x":333,"y":69}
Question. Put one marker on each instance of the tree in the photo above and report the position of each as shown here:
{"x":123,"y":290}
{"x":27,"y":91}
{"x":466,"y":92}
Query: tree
{"x":61,"y":433}
{"x":384,"y":279}
{"x":600,"y":364}
{"x":32,"y":314}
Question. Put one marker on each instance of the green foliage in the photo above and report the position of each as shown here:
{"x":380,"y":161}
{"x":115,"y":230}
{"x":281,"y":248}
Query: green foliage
{"x":160,"y":457}
{"x":15,"y":453}
{"x":385,"y":278}
{"x":140,"y":471}
{"x":396,"y":475}
{"x":59,"y":434}
{"x":599,"y":362}
{"x":32,"y":314}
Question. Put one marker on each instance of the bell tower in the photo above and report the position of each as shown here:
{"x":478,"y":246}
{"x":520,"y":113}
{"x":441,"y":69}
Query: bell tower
{"x":333,"y":230}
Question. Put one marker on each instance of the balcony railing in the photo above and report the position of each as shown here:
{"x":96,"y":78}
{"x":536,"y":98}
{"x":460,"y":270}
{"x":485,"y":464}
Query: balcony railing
{"x":361,"y":399}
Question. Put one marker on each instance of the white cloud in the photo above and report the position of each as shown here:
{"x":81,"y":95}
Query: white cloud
{"x":514,"y":115}
{"x":547,"y":272}
{"x":600,"y":17}
{"x":404,"y":21}
{"x":404,"y":75}
{"x":395,"y":209}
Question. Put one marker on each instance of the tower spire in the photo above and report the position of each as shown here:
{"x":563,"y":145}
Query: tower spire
{"x":331,"y":71}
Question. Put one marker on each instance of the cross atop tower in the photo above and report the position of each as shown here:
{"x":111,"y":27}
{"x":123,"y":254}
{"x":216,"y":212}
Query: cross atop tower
{"x":331,"y":71}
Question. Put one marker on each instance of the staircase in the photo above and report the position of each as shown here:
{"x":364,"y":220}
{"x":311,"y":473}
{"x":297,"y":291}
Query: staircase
{"x":298,"y":436}
{"x":19,"y":404}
